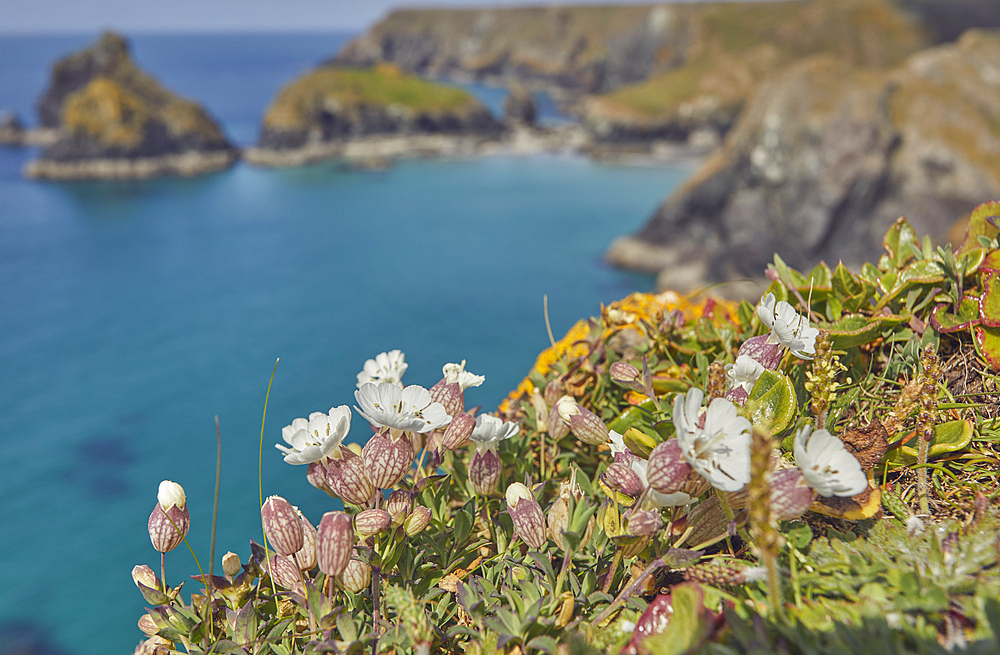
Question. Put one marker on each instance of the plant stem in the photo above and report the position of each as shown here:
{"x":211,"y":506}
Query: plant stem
{"x":305,"y":591}
{"x":163,"y":572}
{"x":627,"y":591}
{"x":376,"y":598}
{"x":614,"y":567}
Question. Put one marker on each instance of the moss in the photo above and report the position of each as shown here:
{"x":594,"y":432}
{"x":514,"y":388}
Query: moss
{"x":383,"y":85}
{"x":106,"y":113}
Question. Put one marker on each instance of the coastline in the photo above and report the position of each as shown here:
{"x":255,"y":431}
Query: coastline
{"x":187,"y":164}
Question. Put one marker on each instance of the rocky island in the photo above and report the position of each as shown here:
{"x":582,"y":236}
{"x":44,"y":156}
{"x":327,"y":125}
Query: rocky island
{"x":369,"y":116}
{"x":114,"y":121}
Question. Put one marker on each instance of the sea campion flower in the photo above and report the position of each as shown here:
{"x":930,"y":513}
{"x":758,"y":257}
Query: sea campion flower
{"x":231,"y":565}
{"x":655,"y":499}
{"x":450,"y":390}
{"x":386,"y":367}
{"x":372,"y":521}
{"x":718,"y":448}
{"x":306,"y":556}
{"x":485,"y":466}
{"x":584,"y":423}
{"x":348,"y":479}
{"x":316,"y":438}
{"x":667,"y":470}
{"x":170,"y":520}
{"x":456,"y":374}
{"x":619,"y":451}
{"x":458,"y":431}
{"x":387,"y":460}
{"x":741,"y":376}
{"x":529,"y":522}
{"x":788,"y":328}
{"x":399,"y":504}
{"x":400,"y":410}
{"x":621,"y":477}
{"x":791,"y":496}
{"x":417,"y":520}
{"x":827,"y":466}
{"x":356,"y":577}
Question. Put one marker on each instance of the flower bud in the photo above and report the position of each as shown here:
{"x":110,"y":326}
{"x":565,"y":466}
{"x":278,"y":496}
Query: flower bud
{"x":622,"y":478}
{"x":541,"y":411}
{"x":306,"y":557}
{"x":143,"y":576}
{"x":231,"y":564}
{"x":334,"y":542}
{"x":626,"y":375}
{"x":558,"y":521}
{"x":372,"y":521}
{"x":281,"y":525}
{"x":529,"y":522}
{"x":418,"y":519}
{"x":668,"y":470}
{"x":791,"y":496}
{"x":588,"y":427}
{"x":283,"y":571}
{"x":644,"y":523}
{"x":356,"y":577}
{"x":458,"y":431}
{"x":348,"y":480}
{"x":148,"y":625}
{"x":170,"y":520}
{"x":316,"y":475}
{"x":450,"y":395}
{"x":399,"y":504}
{"x":484,"y":471}
{"x":387,"y":460}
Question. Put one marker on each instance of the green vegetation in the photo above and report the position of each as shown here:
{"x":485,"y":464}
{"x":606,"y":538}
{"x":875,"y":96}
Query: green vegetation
{"x":631,"y":518}
{"x":342,"y":88}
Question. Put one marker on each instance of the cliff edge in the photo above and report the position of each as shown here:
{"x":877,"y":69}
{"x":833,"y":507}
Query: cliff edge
{"x":116,"y":122}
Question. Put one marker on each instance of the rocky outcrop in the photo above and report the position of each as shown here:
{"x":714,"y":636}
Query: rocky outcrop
{"x":826,"y":156}
{"x":519,"y":108}
{"x":14,"y":133}
{"x":334,"y":111}
{"x":115,"y":121}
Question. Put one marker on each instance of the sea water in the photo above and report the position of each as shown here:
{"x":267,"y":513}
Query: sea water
{"x":132,"y":314}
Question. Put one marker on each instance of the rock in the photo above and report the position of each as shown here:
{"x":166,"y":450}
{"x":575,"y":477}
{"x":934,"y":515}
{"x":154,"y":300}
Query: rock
{"x":14,"y":133}
{"x":375,"y":112}
{"x":115,"y":121}
{"x":827,"y":155}
{"x":519,"y":107}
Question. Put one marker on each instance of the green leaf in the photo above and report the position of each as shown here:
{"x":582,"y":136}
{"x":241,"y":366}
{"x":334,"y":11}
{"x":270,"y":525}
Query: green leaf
{"x":544,"y":643}
{"x":843,"y":283}
{"x":690,"y":623}
{"x":949,"y":437}
{"x":771,"y":403}
{"x":799,"y":534}
{"x":988,"y":344}
{"x":989,"y":302}
{"x":854,"y":330}
{"x":898,"y":244}
{"x":347,"y":629}
{"x":463,"y":526}
{"x":980,"y":225}
{"x":945,"y":321}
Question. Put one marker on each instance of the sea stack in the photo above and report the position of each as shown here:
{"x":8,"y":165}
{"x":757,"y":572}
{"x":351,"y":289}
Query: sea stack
{"x":114,"y":121}
{"x":368,"y":116}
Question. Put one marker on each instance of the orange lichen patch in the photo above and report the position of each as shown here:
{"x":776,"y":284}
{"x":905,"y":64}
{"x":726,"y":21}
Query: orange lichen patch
{"x":627,"y":313}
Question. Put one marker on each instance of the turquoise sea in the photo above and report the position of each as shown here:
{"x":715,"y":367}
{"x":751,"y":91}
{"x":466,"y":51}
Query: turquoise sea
{"x":131,"y":314}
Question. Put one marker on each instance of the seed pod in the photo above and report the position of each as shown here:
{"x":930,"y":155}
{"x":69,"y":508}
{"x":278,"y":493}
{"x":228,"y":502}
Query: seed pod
{"x":790,"y":495}
{"x":626,"y":375}
{"x":356,"y":576}
{"x":231,"y":564}
{"x":644,"y":523}
{"x":622,"y":478}
{"x":418,"y":519}
{"x":148,"y":625}
{"x":484,"y":471}
{"x":372,"y":521}
{"x":143,"y":576}
{"x":558,"y":428}
{"x":281,"y":525}
{"x":334,"y":542}
{"x":529,"y":522}
{"x":399,"y":505}
{"x":668,"y":470}
{"x":458,"y":431}
{"x":541,"y":411}
{"x":558,"y":521}
{"x":553,"y":390}
{"x":348,"y":479}
{"x":306,"y":557}
{"x":588,"y":427}
{"x":387,"y":460}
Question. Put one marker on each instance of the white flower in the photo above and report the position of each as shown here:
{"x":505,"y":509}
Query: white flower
{"x":827,"y":466}
{"x":456,"y":373}
{"x":743,"y":373}
{"x":402,"y":410}
{"x":566,"y":407}
{"x":386,"y":367}
{"x":491,"y":430}
{"x":787,"y":327}
{"x":617,"y":443}
{"x":171,"y":494}
{"x":720,"y":449}
{"x":654,"y":499}
{"x":316,"y":438}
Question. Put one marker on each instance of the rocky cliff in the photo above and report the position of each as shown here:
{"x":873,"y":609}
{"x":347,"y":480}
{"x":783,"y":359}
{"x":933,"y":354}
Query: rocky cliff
{"x":115,"y":121}
{"x":321,"y":113}
{"x":826,"y":156}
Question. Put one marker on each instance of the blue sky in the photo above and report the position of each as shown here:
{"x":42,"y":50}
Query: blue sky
{"x":39,"y":16}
